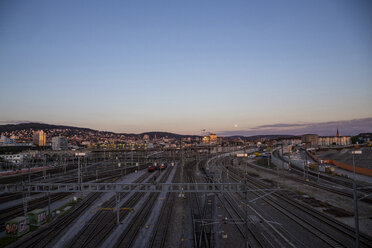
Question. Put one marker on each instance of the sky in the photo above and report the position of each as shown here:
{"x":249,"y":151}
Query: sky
{"x":184,"y":66}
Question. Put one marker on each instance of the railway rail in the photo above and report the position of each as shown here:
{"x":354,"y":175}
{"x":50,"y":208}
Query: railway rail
{"x":47,"y":233}
{"x":366,"y":189}
{"x":128,"y":236}
{"x":103,"y":222}
{"x":248,"y":233}
{"x":202,"y":235}
{"x":329,"y":230}
{"x":161,"y":228}
{"x":40,"y":202}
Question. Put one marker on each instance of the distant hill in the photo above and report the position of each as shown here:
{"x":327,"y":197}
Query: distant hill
{"x":152,"y":135}
{"x":45,"y":127}
{"x":38,"y":126}
{"x":166,"y":134}
{"x":255,"y":137}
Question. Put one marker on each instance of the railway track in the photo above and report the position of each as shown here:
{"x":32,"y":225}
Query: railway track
{"x":9,"y":213}
{"x":342,"y":192}
{"x":235,"y":213}
{"x":47,"y":233}
{"x":34,"y":175}
{"x":106,"y":175}
{"x":103,"y":222}
{"x":347,"y":183}
{"x":329,"y":230}
{"x":313,"y":183}
{"x":202,"y":234}
{"x":62,"y":179}
{"x":40,"y":202}
{"x":246,"y":233}
{"x":128,"y":236}
{"x":161,"y":228}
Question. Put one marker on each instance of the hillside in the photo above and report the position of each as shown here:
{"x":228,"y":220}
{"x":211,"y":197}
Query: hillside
{"x":45,"y":127}
{"x":37,"y":126}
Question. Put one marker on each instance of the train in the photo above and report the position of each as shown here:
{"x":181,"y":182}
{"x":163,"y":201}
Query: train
{"x":151,"y":168}
{"x":154,"y":166}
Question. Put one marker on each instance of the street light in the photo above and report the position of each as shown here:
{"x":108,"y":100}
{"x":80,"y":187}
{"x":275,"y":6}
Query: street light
{"x":80,"y":178}
{"x":356,"y":217}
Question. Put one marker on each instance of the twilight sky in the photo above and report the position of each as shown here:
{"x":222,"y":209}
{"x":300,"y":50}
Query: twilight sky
{"x":183,"y":66}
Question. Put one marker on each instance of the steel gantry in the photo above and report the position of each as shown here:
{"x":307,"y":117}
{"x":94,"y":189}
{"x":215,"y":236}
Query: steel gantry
{"x":117,"y":188}
{"x":123,"y":187}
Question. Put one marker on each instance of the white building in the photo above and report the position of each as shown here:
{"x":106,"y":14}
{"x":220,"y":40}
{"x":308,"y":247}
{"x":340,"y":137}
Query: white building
{"x":13,"y":158}
{"x":59,"y":143}
{"x":334,"y":140}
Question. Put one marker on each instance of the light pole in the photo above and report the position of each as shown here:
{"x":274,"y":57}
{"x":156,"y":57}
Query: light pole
{"x":356,"y":217}
{"x":282,"y":157}
{"x":306,"y":168}
{"x":80,"y":178}
{"x":131,"y":163}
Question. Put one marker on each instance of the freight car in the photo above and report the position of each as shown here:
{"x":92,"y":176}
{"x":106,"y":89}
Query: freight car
{"x":20,"y":225}
{"x":17,"y":227}
{"x":37,"y":217}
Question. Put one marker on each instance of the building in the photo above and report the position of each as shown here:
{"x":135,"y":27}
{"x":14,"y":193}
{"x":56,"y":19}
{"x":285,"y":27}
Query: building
{"x":334,"y":140}
{"x":213,"y":138}
{"x":337,"y":140}
{"x":13,"y":158}
{"x":311,"y":140}
{"x":59,"y":143}
{"x":39,"y":138}
{"x":6,"y":141}
{"x":205,"y":139}
{"x":365,"y":137}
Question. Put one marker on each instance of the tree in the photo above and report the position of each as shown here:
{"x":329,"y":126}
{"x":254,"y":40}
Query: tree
{"x":354,"y":139}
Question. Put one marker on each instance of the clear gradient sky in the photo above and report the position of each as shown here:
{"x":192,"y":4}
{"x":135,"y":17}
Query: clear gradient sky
{"x":183,"y":66}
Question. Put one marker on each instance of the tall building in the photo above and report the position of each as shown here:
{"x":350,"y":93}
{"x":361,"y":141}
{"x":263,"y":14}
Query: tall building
{"x":39,"y":138}
{"x":311,"y":139}
{"x":213,"y":138}
{"x":59,"y":143}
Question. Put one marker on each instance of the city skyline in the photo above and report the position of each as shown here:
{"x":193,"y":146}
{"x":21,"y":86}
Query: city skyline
{"x":186,"y":66}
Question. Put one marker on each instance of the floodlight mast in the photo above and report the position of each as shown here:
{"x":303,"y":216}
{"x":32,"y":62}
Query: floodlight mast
{"x":356,"y":217}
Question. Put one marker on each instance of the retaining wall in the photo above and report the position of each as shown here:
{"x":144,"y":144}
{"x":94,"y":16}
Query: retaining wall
{"x":348,"y":167}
